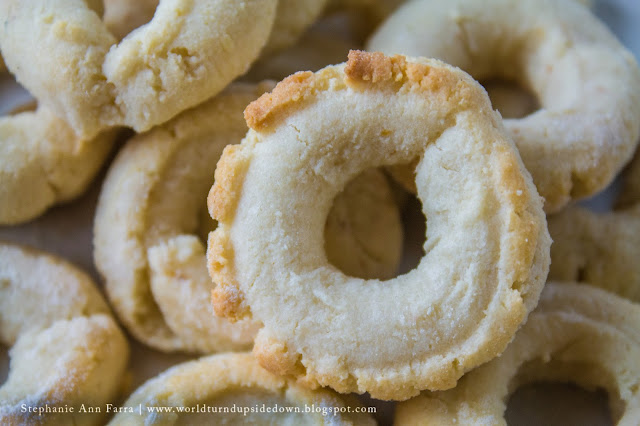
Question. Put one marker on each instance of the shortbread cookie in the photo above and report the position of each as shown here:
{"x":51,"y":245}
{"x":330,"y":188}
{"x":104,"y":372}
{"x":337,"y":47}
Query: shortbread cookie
{"x":578,"y":334}
{"x":67,"y":58}
{"x":510,"y":103}
{"x":43,"y":163}
{"x":573,"y":146}
{"x":602,"y":249}
{"x":292,"y":19}
{"x":216,"y":384}
{"x":66,"y":349}
{"x":486,"y":244}
{"x":149,"y":226}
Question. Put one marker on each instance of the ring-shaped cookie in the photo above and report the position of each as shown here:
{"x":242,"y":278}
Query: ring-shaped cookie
{"x":573,"y":146}
{"x":152,"y":215}
{"x":292,"y":19}
{"x":146,"y":243}
{"x":486,"y":245}
{"x":43,"y":163}
{"x":66,"y":349}
{"x":600,"y":249}
{"x":218,"y":382}
{"x":187,"y":53}
{"x":577,"y":334}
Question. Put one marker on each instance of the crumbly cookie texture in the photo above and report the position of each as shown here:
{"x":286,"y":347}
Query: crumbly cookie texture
{"x":573,"y":146}
{"x":66,"y":57}
{"x":149,"y":248}
{"x":66,"y":349}
{"x":226,"y":379}
{"x":43,"y":163}
{"x":578,"y":334}
{"x":148,"y":224}
{"x":600,"y":249}
{"x":487,"y":247}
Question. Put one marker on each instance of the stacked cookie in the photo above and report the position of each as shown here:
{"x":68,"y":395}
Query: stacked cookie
{"x":268,"y":217}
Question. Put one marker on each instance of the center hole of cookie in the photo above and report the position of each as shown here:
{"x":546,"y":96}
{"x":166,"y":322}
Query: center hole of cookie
{"x":556,"y":404}
{"x":123,"y":16}
{"x":414,"y":225}
{"x":371,"y":229}
{"x":510,"y":98}
{"x":4,"y":364}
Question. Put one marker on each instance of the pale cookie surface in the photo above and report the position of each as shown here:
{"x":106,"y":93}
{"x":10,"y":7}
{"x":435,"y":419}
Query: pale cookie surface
{"x":152,"y":219}
{"x":43,"y":163}
{"x":223,"y":381}
{"x":148,"y":222}
{"x":578,"y":334}
{"x":587,"y":83}
{"x":66,"y":349}
{"x":601,"y":249}
{"x":486,"y":243}
{"x":67,"y":58}
{"x":291,"y":20}
{"x":510,"y":101}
